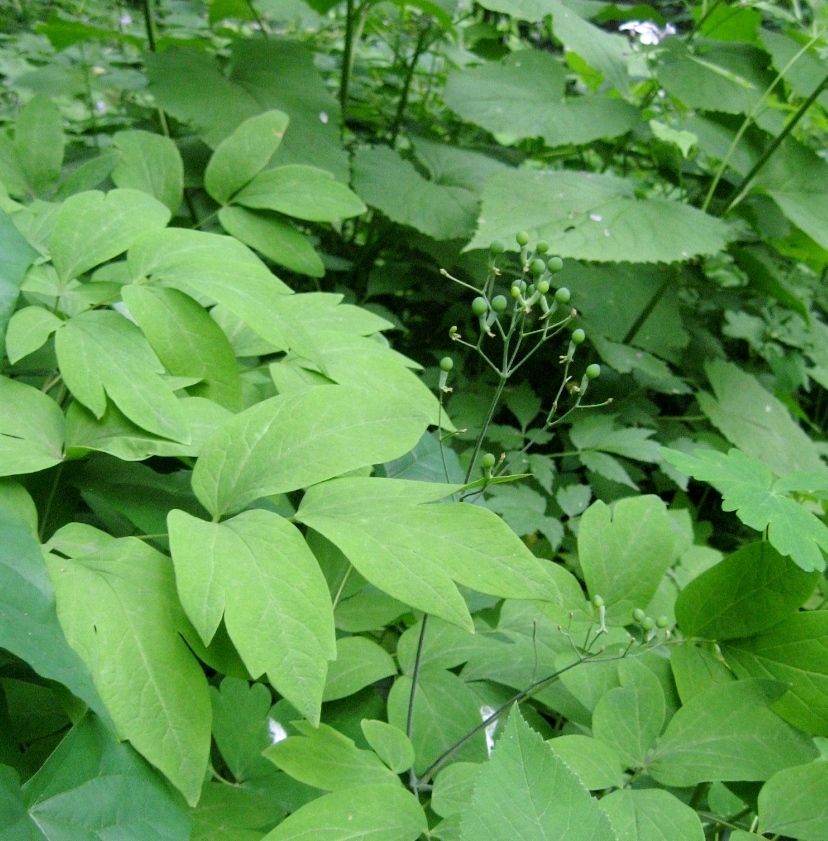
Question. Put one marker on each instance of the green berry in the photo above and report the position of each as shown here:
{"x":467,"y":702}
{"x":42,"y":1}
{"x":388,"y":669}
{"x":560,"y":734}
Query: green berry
{"x":515,"y":290}
{"x":537,"y":267}
{"x":522,"y":238}
{"x":446,"y":364}
{"x":488,"y":461}
{"x":499,"y":303}
{"x":542,"y":247}
{"x":662,"y":622}
{"x":563,"y":295}
{"x":597,"y":601}
{"x":497,"y":247}
{"x":647,"y":623}
{"x":555,"y":264}
{"x":593,"y":371}
{"x":543,"y":287}
{"x":578,"y":336}
{"x":638,"y":615}
{"x":479,"y":306}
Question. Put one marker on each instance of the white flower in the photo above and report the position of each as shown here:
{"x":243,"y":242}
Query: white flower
{"x":276,"y":730}
{"x":647,"y":32}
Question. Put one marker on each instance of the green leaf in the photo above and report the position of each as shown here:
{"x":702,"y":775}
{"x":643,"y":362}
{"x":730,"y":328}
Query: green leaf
{"x":624,"y":552}
{"x":240,"y":725}
{"x":90,"y":787}
{"x":594,"y":762}
{"x":593,"y":217}
{"x":89,"y":175}
{"x":748,"y":488}
{"x":630,"y":718}
{"x":748,"y":592}
{"x":382,"y":524}
{"x":794,"y":652}
{"x":359,"y":663}
{"x":324,"y":758}
{"x":695,"y":669}
{"x":102,"y":353}
{"x":150,"y":163}
{"x":377,"y":812}
{"x":445,"y":711}
{"x":756,"y":422}
{"x":29,"y":626}
{"x":39,"y":141}
{"x":526,"y":793}
{"x":244,"y":154}
{"x":31,"y":429}
{"x":727,"y":733}
{"x":394,"y":186}
{"x":187,"y":341}
{"x":29,"y":329}
{"x":454,"y":787}
{"x":795,"y":179}
{"x":598,"y":432}
{"x":94,"y":227}
{"x":256,"y":571}
{"x":299,"y":440}
{"x":390,"y":744}
{"x":651,"y":815}
{"x":228,"y":813}
{"x":794,"y":802}
{"x":274,"y":237}
{"x":523,"y":97}
{"x":304,"y":192}
{"x":119,"y":611}
{"x":16,"y":255}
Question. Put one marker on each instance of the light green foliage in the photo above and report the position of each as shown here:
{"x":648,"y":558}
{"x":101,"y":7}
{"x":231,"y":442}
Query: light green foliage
{"x":369,"y":373}
{"x":594,"y":217}
{"x":505,"y":807}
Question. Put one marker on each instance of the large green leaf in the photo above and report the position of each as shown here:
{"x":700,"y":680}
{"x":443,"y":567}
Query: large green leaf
{"x":187,"y":341}
{"x":90,"y":787}
{"x":228,"y":813}
{"x":31,"y":429}
{"x":381,"y":525}
{"x":322,"y":757}
{"x":94,"y":227}
{"x":748,"y":592}
{"x":256,"y":571}
{"x":300,"y":439}
{"x":624,"y":552}
{"x":651,"y":815}
{"x":390,"y":743}
{"x":16,"y":255}
{"x":102,"y":353}
{"x":526,"y":793}
{"x":445,"y":711}
{"x":274,"y":237}
{"x":630,"y":718}
{"x":752,"y":419}
{"x":594,"y":217}
{"x":393,"y":185}
{"x":150,"y":163}
{"x":794,"y":803}
{"x":29,"y":329}
{"x":595,"y":763}
{"x":795,"y":178}
{"x":359,"y":662}
{"x":523,"y":97}
{"x":377,"y":812}
{"x":726,"y":733}
{"x":39,"y":140}
{"x":794,"y":652}
{"x":29,"y":626}
{"x":244,"y":154}
{"x":119,"y":610}
{"x":301,"y":191}
{"x":748,"y":488}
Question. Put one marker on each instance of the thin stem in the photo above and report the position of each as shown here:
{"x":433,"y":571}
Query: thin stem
{"x":419,"y":49}
{"x":47,"y":509}
{"x":409,"y":724}
{"x":648,"y":310}
{"x":750,"y":118}
{"x":149,"y":25}
{"x":258,"y":18}
{"x":347,"y":55}
{"x":341,"y":587}
{"x":492,"y":409}
{"x":742,"y":189}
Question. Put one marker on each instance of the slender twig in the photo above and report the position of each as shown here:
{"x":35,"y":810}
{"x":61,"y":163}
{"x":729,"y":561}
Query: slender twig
{"x":149,"y":25}
{"x":648,"y":310}
{"x":411,"y":69}
{"x":347,"y":54}
{"x":409,"y":724}
{"x":742,"y":189}
{"x":47,"y":509}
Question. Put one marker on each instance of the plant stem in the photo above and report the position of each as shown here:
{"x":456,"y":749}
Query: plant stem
{"x":347,"y":58}
{"x":648,"y":310}
{"x":492,"y":409}
{"x":148,"y":24}
{"x":409,"y":724}
{"x":47,"y":509}
{"x":739,"y":193}
{"x":409,"y":76}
